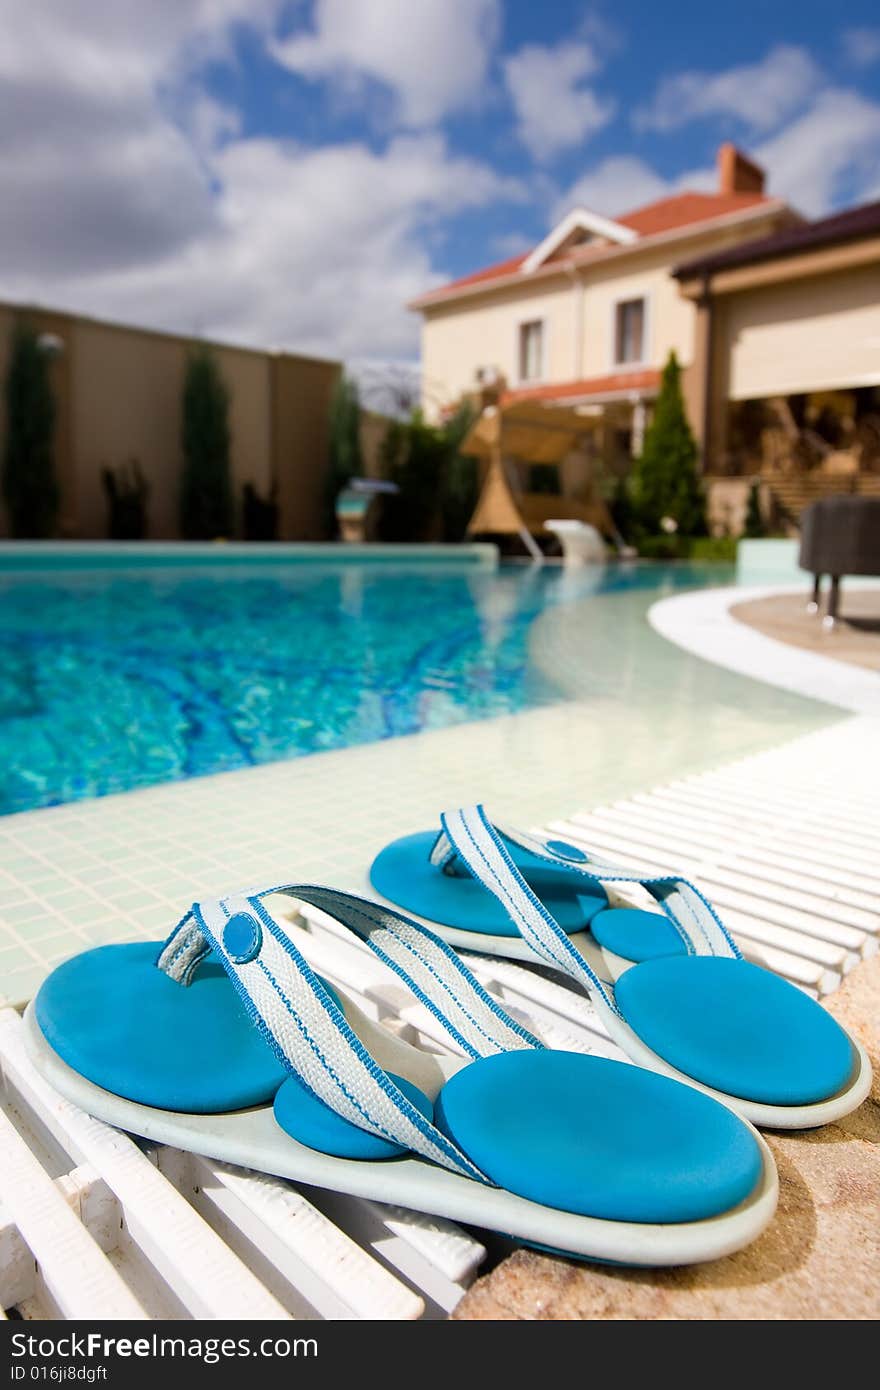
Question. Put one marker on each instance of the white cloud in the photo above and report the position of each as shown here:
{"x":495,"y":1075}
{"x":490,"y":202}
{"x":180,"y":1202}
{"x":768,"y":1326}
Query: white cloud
{"x":94,"y":170}
{"x":317,"y":250}
{"x":861,"y":47}
{"x":616,"y":185}
{"x":554,"y":109}
{"x":827,"y":156}
{"x":129,"y":193}
{"x":432,"y":55}
{"x":760,"y":95}
{"x":210,"y":123}
{"x":509,"y":244}
{"x":830,"y":154}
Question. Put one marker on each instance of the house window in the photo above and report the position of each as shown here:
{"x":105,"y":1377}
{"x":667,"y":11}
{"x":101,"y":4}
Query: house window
{"x":531,"y":350}
{"x":629,"y":331}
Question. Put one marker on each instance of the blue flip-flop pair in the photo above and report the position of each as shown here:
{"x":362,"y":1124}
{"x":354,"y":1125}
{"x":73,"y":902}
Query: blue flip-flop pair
{"x":224,"y":1041}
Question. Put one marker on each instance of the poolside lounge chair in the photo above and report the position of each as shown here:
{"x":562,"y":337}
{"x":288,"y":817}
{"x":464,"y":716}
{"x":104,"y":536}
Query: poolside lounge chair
{"x":839,"y":536}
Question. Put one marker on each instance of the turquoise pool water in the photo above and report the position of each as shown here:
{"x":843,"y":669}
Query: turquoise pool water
{"x":111,"y":680}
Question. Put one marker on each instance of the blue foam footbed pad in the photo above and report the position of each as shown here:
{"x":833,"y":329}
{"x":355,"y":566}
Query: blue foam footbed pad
{"x":599,"y":1138}
{"x":115,"y":1018}
{"x":737,"y":1028}
{"x":635,"y":934}
{"x":309,"y":1120}
{"x":403,"y":873}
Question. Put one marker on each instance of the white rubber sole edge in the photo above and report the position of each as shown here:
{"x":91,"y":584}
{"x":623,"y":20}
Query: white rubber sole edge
{"x":251,"y":1139}
{"x":824,"y":1112}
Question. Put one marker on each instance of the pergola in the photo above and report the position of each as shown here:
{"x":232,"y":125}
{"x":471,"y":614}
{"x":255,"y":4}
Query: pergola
{"x":534,"y":432}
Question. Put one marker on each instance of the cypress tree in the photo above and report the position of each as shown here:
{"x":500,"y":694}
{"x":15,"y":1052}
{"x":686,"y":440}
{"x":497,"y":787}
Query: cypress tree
{"x":206,"y":491}
{"x":30,"y":486}
{"x":667,"y":481}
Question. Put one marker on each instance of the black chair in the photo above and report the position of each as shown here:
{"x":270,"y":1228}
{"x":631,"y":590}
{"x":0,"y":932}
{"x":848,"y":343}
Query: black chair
{"x":839,"y":536}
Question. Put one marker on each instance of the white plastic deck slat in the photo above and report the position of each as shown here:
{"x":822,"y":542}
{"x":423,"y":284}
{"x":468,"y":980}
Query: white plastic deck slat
{"x":852,"y":821}
{"x":76,"y":1273}
{"x":815,"y":847}
{"x":818,"y":938}
{"x":774,"y":856}
{"x":763,"y":769}
{"x":764,"y":792}
{"x":729,"y":889}
{"x":379,"y":1230}
{"x":204,"y":1274}
{"x":781,"y":817}
{"x":338,"y":1278}
{"x":707,"y":828}
{"x":825,"y":902}
{"x":742,"y":799}
{"x":454,"y":1253}
{"x":758,"y":941}
{"x":821,"y":939}
{"x":859,"y":910}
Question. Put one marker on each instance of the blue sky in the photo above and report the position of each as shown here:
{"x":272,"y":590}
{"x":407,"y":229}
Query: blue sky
{"x":290,"y":172}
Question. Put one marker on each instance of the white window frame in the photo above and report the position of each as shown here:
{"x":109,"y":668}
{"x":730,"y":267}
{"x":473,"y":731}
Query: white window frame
{"x":647,"y":326}
{"x":542,"y":370}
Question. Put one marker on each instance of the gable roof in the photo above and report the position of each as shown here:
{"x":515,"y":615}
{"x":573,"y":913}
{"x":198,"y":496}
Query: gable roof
{"x":852,"y":225}
{"x":680,"y":212}
{"x":579,"y":219}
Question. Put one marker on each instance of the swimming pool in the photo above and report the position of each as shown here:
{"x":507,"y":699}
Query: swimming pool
{"x":114,"y":679}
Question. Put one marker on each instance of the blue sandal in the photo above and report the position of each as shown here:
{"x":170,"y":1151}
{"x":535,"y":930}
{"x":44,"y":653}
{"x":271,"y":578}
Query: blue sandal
{"x":223,"y":1040}
{"x":670,"y":985}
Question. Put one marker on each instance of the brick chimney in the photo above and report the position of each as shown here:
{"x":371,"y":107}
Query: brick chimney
{"x":737,"y":173}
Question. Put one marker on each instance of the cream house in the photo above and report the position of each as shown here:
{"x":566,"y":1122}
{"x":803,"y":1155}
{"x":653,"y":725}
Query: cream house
{"x":589,"y":316}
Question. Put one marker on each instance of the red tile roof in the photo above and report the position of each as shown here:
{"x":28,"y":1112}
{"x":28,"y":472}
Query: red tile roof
{"x":683,"y":209}
{"x":665,"y":215}
{"x":488,"y":272}
{"x":648,"y":380}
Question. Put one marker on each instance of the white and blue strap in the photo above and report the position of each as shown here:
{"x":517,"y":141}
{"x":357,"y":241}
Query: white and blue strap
{"x":305,"y":1026}
{"x":469,"y":839}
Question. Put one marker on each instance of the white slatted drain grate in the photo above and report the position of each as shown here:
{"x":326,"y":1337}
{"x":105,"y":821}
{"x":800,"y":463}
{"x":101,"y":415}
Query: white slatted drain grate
{"x":786,"y":843}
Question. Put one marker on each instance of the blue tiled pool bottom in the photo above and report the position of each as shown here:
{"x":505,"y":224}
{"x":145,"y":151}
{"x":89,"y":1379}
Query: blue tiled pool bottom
{"x":116,"y":680}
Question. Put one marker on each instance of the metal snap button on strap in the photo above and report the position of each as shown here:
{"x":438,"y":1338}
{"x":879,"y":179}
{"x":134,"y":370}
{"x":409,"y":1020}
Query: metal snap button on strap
{"x":242,"y":938}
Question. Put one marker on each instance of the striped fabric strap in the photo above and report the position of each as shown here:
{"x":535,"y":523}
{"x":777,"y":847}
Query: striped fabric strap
{"x":484,"y":850}
{"x":306,"y":1027}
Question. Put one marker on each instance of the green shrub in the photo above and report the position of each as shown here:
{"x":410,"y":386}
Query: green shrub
{"x":624,"y":512}
{"x":754,"y":528}
{"x":436,"y":486}
{"x":127,"y":491}
{"x":259,"y":515}
{"x":666,"y":480}
{"x":206,"y":489}
{"x":699,"y":548}
{"x":720,"y":548}
{"x":664,"y":547}
{"x":30,"y":486}
{"x":345,"y":461}
{"x":543,"y":478}
{"x":459,"y":496}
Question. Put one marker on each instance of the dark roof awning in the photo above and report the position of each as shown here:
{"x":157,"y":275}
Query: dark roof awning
{"x":852,"y":225}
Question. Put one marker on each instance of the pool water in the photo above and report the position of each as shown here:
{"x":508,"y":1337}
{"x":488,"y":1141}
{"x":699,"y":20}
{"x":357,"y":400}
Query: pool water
{"x":114,"y":680}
